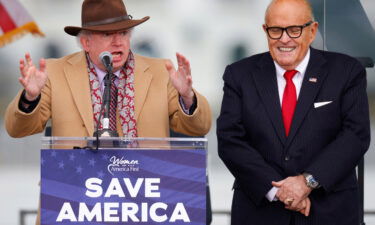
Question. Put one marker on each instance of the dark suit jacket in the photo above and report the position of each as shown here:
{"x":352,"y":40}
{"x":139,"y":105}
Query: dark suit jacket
{"x":326,"y":141}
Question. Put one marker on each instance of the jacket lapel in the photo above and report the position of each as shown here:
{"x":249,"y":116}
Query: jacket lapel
{"x":78,"y":81}
{"x":142,"y":82}
{"x":265,"y":80}
{"x":312,"y":81}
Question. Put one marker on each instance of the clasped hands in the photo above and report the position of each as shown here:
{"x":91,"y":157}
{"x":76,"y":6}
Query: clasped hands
{"x":294,"y":192}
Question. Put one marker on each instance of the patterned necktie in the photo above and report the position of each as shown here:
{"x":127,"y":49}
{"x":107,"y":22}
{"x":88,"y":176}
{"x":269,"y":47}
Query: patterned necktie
{"x":113,"y":107}
{"x":289,"y":100}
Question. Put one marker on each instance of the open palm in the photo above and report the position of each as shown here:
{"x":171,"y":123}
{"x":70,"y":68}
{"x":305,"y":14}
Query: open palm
{"x":181,"y":79}
{"x":32,"y":79}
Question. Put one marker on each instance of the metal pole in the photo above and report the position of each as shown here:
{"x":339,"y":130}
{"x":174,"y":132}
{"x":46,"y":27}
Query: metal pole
{"x":361,"y":184}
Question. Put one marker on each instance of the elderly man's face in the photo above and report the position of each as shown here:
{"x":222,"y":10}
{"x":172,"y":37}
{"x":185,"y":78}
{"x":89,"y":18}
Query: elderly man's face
{"x":117,"y":43}
{"x":289,"y":52}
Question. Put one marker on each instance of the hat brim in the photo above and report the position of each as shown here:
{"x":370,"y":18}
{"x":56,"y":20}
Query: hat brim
{"x":117,"y":26}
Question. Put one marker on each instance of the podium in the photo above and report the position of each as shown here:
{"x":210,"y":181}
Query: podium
{"x":121,"y":180}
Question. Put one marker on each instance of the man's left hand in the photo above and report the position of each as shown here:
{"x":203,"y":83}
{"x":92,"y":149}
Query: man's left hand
{"x":181,"y":79}
{"x":292,"y":191}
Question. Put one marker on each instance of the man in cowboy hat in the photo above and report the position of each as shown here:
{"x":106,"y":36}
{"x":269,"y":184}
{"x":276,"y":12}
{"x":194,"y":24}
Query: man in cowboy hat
{"x":152,"y":96}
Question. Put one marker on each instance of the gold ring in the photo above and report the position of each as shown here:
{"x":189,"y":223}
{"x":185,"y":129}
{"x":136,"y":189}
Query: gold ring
{"x":289,"y":201}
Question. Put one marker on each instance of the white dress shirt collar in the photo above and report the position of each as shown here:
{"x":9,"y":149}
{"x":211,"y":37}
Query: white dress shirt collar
{"x":297,"y":79}
{"x":101,"y":74}
{"x":301,"y":68}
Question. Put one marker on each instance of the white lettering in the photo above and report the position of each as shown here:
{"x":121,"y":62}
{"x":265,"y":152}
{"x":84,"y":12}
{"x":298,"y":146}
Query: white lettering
{"x":110,"y":212}
{"x":144,"y":212}
{"x":114,"y":188}
{"x":94,"y":189}
{"x":149,"y":187}
{"x":133,"y":191}
{"x":66,"y":213}
{"x":84,"y":212}
{"x":154,"y":216}
{"x":130,"y":212}
{"x":179,"y":213}
{"x":129,"y":209}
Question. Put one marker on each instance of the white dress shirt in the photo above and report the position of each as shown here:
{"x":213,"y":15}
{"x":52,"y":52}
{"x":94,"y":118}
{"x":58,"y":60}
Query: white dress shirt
{"x":297,"y":79}
{"x":281,"y":82}
{"x":101,"y":74}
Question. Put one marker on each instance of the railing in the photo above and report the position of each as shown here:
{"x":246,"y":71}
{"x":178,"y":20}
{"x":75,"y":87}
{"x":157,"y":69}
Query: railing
{"x":25,"y":213}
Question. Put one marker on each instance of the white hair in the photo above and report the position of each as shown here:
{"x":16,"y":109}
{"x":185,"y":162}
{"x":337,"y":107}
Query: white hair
{"x":87,"y":33}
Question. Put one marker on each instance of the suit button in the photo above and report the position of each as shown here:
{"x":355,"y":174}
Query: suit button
{"x":287,"y":158}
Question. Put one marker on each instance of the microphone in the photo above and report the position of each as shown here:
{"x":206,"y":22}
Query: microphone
{"x":106,"y":59}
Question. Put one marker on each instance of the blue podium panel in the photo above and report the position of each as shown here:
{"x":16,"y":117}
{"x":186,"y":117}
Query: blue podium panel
{"x":123,"y":187}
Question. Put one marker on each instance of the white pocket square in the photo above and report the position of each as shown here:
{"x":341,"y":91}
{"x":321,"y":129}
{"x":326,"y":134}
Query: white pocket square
{"x":320,"y":104}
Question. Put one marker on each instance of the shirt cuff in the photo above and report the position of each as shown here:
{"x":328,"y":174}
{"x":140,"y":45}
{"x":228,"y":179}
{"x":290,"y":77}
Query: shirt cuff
{"x":31,"y":104}
{"x":271,"y":195}
{"x":192,"y":108}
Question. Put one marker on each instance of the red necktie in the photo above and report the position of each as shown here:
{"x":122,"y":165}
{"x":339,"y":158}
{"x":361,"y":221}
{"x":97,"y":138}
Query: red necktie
{"x":289,"y":100}
{"x":113,"y":107}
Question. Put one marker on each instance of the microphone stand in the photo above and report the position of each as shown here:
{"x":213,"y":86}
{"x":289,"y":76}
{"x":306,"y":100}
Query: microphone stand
{"x":106,"y":131}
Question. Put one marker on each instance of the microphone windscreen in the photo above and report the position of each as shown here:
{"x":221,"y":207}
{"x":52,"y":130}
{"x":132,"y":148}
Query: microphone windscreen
{"x":106,"y":58}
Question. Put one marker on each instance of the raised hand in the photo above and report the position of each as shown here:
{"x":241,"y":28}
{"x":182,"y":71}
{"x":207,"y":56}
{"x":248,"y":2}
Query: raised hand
{"x":32,"y":79}
{"x":181,"y":79}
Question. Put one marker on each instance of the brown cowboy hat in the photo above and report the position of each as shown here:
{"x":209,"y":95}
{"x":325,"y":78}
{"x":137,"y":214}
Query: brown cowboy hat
{"x":104,"y":16}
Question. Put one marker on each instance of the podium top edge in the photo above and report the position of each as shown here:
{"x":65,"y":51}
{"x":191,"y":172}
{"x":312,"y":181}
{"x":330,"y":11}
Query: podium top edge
{"x":56,"y":138}
{"x":123,"y":143}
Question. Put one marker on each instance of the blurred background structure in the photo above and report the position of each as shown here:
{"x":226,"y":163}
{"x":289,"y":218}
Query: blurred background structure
{"x":211,"y":34}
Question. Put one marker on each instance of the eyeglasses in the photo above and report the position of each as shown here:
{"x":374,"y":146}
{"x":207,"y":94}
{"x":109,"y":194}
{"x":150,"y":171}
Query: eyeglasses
{"x":292,"y":31}
{"x":109,"y":36}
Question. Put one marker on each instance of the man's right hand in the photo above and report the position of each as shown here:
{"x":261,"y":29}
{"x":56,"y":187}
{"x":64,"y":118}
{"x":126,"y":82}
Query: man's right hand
{"x":303,"y":207}
{"x":32,"y":79}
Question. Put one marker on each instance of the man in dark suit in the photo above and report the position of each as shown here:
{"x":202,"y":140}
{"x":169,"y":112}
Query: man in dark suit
{"x":293,"y":125}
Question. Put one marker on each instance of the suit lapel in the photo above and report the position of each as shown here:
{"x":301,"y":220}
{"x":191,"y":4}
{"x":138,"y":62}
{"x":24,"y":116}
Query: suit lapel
{"x":312,"y":81}
{"x":78,"y":81}
{"x":142,"y":82}
{"x":266,"y":83}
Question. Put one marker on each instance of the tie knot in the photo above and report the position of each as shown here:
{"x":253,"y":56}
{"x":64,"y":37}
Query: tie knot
{"x":289,"y":74}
